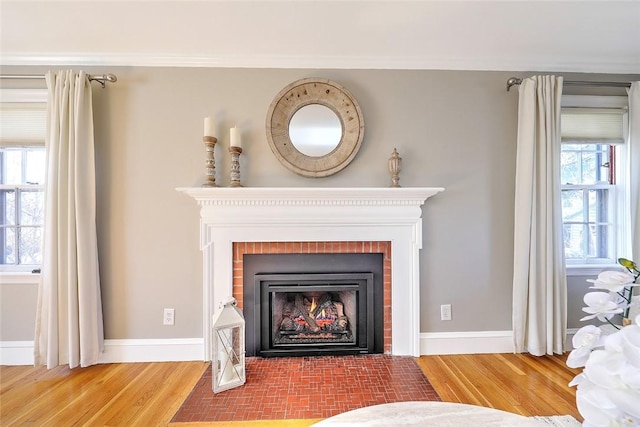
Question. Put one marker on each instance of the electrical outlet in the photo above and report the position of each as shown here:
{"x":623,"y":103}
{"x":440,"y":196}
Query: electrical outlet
{"x":169,"y":316}
{"x":445,"y":312}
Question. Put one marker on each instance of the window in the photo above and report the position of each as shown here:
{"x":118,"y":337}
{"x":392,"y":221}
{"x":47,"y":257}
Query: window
{"x":587,"y":201}
{"x":593,"y":179}
{"x":22,"y":174}
{"x":22,"y":201}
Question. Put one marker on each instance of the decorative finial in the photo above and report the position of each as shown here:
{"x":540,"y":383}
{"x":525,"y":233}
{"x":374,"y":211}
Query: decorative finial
{"x":394,"y":168}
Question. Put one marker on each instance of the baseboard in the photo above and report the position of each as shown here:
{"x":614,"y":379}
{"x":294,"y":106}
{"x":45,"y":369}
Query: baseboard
{"x":16,"y":353}
{"x":569,"y":339}
{"x":187,"y":349}
{"x":432,"y":343}
{"x":118,"y":351}
{"x":153,"y":350}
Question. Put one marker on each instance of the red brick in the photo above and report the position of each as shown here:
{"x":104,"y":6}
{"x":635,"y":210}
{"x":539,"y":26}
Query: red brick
{"x":384,"y":247}
{"x":268,"y":393}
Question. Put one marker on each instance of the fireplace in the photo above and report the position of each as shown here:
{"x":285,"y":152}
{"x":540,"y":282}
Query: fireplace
{"x":313,"y":304}
{"x":319,"y":314}
{"x":337,"y":215}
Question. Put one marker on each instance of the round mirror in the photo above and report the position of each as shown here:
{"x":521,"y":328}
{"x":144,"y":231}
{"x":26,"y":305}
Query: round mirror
{"x":315,"y":130}
{"x":314,"y":127}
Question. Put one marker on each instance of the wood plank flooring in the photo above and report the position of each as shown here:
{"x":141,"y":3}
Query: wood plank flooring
{"x":149,"y":394}
{"x":518,"y":383}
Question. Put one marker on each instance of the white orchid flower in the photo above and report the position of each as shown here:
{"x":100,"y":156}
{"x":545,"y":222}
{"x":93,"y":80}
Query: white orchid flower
{"x":577,"y":380}
{"x":603,"y":369}
{"x":630,"y":337}
{"x":600,"y":305}
{"x":604,"y":395}
{"x":613,"y":281}
{"x":587,"y":336}
{"x":608,"y":388}
{"x":578,"y":357}
{"x":586,"y":339}
{"x":595,"y":405}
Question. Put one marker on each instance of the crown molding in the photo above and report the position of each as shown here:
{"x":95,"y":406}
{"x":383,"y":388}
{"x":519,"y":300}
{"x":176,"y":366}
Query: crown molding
{"x":555,"y":64}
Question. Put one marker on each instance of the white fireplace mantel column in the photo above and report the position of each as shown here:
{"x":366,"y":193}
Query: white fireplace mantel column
{"x":229,"y":215}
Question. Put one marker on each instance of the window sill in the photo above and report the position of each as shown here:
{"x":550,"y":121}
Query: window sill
{"x":19,"y":278}
{"x":590,"y":269}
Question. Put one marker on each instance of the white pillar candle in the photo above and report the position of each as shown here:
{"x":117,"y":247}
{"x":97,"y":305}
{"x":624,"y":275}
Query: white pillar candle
{"x":226,"y":368}
{"x":209,"y":127}
{"x":235,"y":137}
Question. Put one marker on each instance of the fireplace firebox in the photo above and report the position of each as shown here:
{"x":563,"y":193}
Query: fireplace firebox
{"x":313,"y":304}
{"x":309,"y":314}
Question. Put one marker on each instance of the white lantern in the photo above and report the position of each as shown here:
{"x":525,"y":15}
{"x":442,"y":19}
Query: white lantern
{"x":227,"y":362}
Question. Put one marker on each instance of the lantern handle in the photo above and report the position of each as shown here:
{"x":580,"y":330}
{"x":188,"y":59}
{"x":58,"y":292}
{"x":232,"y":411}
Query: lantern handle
{"x":229,"y":301}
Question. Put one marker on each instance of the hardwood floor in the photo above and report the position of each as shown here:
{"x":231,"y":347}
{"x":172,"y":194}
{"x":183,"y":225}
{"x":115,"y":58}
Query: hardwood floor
{"x":518,"y":383}
{"x":148,"y":394}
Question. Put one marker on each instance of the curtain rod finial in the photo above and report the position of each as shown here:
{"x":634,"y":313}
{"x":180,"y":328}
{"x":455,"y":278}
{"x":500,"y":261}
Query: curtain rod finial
{"x":512,"y":82}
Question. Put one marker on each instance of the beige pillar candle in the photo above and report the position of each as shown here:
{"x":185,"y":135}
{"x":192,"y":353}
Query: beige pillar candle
{"x":235,"y":137}
{"x":209,"y":127}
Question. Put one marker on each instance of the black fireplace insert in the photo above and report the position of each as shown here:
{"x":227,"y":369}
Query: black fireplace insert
{"x":310,"y":311}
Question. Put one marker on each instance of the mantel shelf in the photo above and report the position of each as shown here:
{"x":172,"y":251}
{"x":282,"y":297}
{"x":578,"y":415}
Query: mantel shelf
{"x":305,"y":196}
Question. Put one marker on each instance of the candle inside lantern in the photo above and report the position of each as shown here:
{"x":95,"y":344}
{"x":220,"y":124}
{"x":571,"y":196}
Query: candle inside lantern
{"x":209,"y":127}
{"x":235,"y":137}
{"x":226,"y":368}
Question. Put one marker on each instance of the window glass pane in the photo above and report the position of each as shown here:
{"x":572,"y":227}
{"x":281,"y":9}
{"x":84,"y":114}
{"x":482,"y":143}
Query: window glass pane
{"x":589,"y":168}
{"x":35,"y":166}
{"x":585,"y":164}
{"x":8,"y":203}
{"x":574,"y":241}
{"x":573,"y":206}
{"x":30,"y":245}
{"x":12,"y":167}
{"x":598,"y":205}
{"x":598,"y":241}
{"x":570,"y":167}
{"x":8,"y":235}
{"x":587,"y":231}
{"x":31,"y":205}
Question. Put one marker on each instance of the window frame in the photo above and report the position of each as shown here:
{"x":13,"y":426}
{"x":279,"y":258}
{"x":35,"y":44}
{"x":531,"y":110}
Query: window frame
{"x":618,"y":191}
{"x":22,"y":273}
{"x":18,"y":190}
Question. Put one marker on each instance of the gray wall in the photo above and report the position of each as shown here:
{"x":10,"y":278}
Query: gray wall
{"x":453,"y":129}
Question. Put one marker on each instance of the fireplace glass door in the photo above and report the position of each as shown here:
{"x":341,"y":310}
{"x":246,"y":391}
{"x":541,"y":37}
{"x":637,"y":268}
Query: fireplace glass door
{"x":312,"y":314}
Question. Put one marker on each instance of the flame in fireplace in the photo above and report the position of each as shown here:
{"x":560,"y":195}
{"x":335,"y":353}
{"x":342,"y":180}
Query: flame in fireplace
{"x":313,"y":304}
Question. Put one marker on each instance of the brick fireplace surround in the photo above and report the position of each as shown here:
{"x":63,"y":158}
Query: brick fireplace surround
{"x":232,"y":220}
{"x":384,"y":248}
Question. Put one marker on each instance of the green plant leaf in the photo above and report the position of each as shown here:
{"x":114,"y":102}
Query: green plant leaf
{"x":627,"y":263}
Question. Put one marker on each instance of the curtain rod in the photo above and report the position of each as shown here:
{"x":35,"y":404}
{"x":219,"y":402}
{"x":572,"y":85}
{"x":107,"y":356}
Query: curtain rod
{"x":514,"y":81}
{"x":100,"y":78}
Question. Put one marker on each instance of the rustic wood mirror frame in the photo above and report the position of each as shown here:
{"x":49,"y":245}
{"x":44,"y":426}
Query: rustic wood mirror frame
{"x":314,"y":91}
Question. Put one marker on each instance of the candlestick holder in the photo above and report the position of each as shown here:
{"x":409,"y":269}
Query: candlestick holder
{"x":235,"y":166}
{"x":210,"y":161}
{"x":394,"y":168}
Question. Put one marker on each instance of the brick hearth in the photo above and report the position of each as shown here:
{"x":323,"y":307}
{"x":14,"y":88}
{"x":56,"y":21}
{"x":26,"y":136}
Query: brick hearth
{"x":242,"y":248}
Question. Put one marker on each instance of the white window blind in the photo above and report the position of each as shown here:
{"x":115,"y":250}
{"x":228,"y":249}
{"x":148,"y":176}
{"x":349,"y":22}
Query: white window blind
{"x":23,"y":117}
{"x":588,"y":125}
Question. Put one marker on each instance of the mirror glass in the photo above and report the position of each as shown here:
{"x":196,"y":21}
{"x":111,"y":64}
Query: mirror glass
{"x":315,"y":130}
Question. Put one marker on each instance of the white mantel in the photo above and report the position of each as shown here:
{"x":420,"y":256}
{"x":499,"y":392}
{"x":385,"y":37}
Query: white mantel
{"x":229,"y":215}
